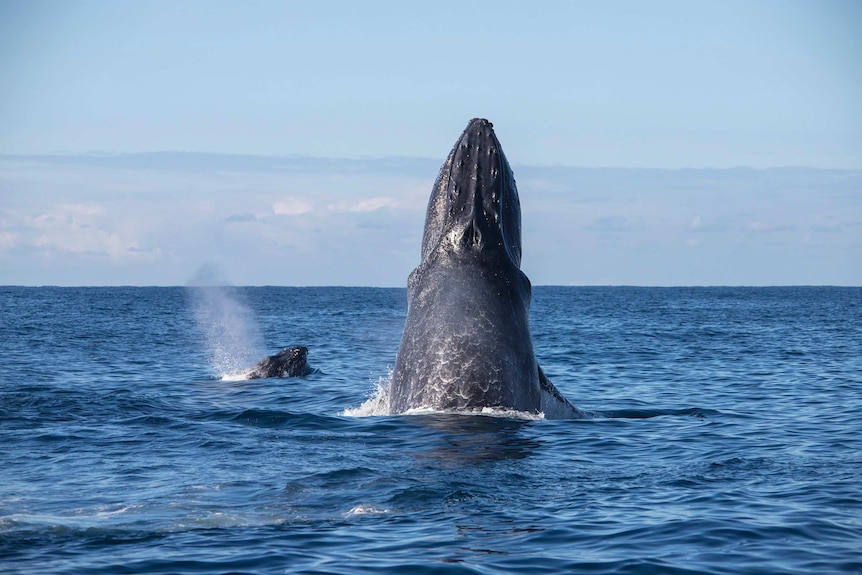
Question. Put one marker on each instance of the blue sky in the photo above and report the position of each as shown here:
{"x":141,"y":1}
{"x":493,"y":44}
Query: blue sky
{"x":610,"y":112}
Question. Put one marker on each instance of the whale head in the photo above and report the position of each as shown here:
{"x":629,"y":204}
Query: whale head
{"x":289,"y":362}
{"x":474,"y":205}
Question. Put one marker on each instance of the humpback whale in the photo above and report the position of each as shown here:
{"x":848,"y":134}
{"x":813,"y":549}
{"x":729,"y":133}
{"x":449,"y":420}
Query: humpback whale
{"x":289,"y":362}
{"x":466,"y":343}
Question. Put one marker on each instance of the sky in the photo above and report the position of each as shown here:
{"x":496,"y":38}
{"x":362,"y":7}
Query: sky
{"x":295,"y":143}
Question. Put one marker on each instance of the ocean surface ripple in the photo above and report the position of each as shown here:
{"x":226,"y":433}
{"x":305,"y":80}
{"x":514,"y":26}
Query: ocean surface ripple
{"x":727,"y":437}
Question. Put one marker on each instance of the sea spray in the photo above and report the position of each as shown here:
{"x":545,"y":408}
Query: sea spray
{"x":377,"y":402}
{"x":231,"y":335}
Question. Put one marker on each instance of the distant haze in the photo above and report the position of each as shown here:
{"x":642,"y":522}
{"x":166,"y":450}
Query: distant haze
{"x":156,"y":219}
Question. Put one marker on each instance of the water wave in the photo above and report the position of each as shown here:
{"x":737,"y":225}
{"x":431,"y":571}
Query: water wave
{"x":716,"y":452}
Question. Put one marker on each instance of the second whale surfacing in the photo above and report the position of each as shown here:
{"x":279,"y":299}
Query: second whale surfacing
{"x":289,"y":362}
{"x":466,"y":343}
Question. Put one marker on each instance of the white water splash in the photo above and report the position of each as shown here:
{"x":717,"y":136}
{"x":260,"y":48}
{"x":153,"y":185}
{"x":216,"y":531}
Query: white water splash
{"x":378,"y":404}
{"x":503,"y":412}
{"x":240,"y":375}
{"x":366,"y":510}
{"x":232,"y":337}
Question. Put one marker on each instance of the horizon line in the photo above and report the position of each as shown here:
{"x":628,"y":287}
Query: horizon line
{"x":335,"y":286}
{"x":107,"y":156}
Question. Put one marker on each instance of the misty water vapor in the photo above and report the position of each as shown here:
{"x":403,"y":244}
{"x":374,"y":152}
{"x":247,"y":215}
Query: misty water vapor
{"x":232,"y":337}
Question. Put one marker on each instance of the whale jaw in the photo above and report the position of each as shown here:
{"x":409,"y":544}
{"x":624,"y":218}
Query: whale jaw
{"x":474,"y":205}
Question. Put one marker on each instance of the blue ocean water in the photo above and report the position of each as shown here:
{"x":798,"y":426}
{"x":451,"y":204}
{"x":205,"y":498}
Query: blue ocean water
{"x":728,"y":438}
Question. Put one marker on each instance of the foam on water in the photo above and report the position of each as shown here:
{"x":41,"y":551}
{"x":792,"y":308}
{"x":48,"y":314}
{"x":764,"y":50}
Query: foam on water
{"x":81,"y":518}
{"x":366,"y":510}
{"x":378,"y":404}
{"x":484,"y":411}
{"x":235,"y":376}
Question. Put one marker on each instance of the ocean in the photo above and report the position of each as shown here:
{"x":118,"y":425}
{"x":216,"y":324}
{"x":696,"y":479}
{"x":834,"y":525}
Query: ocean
{"x":726,"y":437}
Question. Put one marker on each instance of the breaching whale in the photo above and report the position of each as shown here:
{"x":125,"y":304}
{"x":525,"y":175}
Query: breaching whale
{"x":289,"y":362}
{"x":466,"y":343}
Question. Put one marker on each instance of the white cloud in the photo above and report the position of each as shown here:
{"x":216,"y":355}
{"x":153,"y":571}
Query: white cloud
{"x":8,"y":240}
{"x":73,"y":224}
{"x":78,"y":229}
{"x":291,"y":207}
{"x":367,"y":205}
{"x":69,"y":214}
